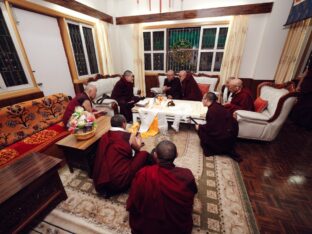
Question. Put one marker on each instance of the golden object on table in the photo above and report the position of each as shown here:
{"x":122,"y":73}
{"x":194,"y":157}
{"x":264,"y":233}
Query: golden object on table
{"x":85,"y":135}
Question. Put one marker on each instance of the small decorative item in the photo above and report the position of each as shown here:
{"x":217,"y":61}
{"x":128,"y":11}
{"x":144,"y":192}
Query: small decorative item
{"x":82,"y":124}
{"x":171,"y":103}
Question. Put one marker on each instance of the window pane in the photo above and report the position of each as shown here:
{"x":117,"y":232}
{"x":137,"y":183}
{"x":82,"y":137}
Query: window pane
{"x":222,"y":38}
{"x":209,"y":36}
{"x":76,"y":41}
{"x":87,"y":32}
{"x":147,"y":62}
{"x":183,"y":48}
{"x":218,"y":61}
{"x":10,"y":65}
{"x":205,"y":61}
{"x":158,"y":40}
{"x":147,"y":41}
{"x":158,"y":62}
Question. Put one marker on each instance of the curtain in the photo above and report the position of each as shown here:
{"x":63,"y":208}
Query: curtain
{"x":234,"y":48}
{"x":105,"y":51}
{"x":138,"y":51}
{"x":296,"y":41}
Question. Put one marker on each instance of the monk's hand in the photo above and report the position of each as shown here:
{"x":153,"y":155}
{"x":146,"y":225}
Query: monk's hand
{"x":196,"y":127}
{"x":136,"y":141}
{"x":235,"y":115}
{"x":169,"y":96}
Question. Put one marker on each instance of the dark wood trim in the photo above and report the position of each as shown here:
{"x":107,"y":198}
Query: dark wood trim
{"x":84,"y":9}
{"x":26,"y":97}
{"x":201,"y":13}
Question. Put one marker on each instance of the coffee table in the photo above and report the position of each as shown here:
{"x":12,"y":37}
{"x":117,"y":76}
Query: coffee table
{"x":81,"y":153}
{"x":184,"y":108}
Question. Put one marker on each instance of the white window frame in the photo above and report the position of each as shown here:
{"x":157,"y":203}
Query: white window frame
{"x":3,"y":87}
{"x":152,"y":51}
{"x":81,"y":25}
{"x":214,"y":50}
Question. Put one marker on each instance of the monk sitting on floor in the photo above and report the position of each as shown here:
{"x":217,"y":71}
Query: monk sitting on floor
{"x":161,"y":196}
{"x":241,"y":97}
{"x":115,"y":163}
{"x":190,"y":89}
{"x":123,"y":94}
{"x":172,"y":86}
{"x":219,"y":134}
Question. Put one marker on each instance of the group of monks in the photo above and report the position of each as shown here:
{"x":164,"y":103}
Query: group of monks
{"x":161,"y":194}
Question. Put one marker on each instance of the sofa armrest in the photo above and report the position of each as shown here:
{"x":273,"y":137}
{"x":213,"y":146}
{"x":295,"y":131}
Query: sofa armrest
{"x":251,"y":116}
{"x":156,"y":90}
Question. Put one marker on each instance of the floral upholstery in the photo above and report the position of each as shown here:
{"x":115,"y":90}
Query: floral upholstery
{"x":24,"y":119}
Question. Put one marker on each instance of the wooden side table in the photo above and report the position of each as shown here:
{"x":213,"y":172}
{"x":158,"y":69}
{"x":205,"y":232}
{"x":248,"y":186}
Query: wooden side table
{"x":81,"y":154}
{"x":30,"y":189}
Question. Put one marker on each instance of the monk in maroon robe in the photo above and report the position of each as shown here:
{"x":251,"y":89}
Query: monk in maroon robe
{"x":172,"y":86}
{"x":218,"y":135}
{"x":115,"y":164}
{"x":161,"y":196}
{"x":190,"y":89}
{"x":123,"y":94}
{"x":241,"y":97}
{"x":83,"y":99}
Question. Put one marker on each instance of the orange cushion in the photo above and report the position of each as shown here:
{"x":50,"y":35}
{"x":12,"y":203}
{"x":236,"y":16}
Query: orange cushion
{"x":204,"y":88}
{"x":260,"y":104}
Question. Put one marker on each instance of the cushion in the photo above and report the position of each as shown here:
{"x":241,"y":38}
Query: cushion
{"x":260,"y":104}
{"x":204,"y":88}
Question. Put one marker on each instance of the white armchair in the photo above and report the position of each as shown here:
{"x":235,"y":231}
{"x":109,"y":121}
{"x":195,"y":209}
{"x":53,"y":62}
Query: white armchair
{"x":266,"y":125}
{"x":161,"y":81}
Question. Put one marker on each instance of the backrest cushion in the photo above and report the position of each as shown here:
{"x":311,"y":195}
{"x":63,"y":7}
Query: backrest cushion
{"x":26,"y":118}
{"x":273,"y":96}
{"x":207,"y":80}
{"x":105,"y":86}
{"x":161,"y":80}
{"x":260,"y":104}
{"x":204,"y":88}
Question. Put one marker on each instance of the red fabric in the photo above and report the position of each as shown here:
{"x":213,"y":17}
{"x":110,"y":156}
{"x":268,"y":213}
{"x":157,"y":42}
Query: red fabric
{"x":114,"y":166}
{"x":190,"y":89}
{"x":204,"y":88}
{"x":37,"y":142}
{"x":219,"y":133}
{"x":260,"y":104}
{"x":76,"y":101}
{"x":241,"y":101}
{"x":161,"y":200}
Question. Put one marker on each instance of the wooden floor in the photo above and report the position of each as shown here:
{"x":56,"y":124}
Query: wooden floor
{"x":278,"y":178}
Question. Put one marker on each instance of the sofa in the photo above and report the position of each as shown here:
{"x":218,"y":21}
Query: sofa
{"x":31,"y":126}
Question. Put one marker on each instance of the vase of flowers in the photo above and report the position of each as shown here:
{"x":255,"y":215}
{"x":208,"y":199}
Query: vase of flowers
{"x":82,"y":124}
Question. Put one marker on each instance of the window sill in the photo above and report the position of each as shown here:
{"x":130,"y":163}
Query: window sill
{"x":12,"y":97}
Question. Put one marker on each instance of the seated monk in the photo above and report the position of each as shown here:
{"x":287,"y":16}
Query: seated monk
{"x":161,"y":196}
{"x":190,"y":89}
{"x":123,"y":94}
{"x":172,"y":86}
{"x":115,"y":163}
{"x":219,"y":134}
{"x":241,"y":97}
{"x":84,"y":100}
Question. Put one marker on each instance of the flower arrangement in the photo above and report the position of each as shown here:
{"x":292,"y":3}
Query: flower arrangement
{"x":81,"y":121}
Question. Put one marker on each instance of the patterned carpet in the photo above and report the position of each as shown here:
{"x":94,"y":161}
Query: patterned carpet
{"x":221,"y":205}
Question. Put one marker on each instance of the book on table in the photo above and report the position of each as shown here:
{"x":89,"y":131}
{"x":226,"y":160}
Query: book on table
{"x":142,"y":103}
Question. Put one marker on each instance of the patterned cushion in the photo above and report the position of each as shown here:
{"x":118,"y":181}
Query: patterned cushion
{"x":260,"y":104}
{"x":204,"y":88}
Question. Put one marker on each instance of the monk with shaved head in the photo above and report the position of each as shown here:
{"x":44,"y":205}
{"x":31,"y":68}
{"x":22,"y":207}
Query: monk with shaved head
{"x":241,"y":97}
{"x":161,"y":196}
{"x":172,"y":86}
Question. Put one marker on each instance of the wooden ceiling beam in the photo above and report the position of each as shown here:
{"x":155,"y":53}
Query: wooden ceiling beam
{"x":200,"y":13}
{"x":84,"y":9}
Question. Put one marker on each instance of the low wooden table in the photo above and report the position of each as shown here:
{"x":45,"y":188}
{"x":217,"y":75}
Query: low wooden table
{"x":81,"y":154}
{"x":195,"y":109}
{"x":30,"y":188}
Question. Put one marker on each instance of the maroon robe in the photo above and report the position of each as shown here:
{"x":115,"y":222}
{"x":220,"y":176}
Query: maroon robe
{"x":76,"y":101}
{"x":114,"y":166}
{"x":241,"y":101}
{"x":219,"y":134}
{"x":123,"y":94}
{"x":161,"y":200}
{"x":175,"y":88}
{"x":190,"y":89}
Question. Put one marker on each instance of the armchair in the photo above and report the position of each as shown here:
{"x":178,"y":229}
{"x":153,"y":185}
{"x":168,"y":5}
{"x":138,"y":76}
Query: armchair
{"x":266,"y":125}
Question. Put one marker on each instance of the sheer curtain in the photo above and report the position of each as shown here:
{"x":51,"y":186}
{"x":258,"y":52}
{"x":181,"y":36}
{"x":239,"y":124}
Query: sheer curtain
{"x":105,"y":51}
{"x":138,"y":59}
{"x":296,"y":41}
{"x":234,"y":48}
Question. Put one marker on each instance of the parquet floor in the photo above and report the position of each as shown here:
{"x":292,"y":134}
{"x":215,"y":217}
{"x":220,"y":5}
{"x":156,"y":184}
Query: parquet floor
{"x":278,"y":178}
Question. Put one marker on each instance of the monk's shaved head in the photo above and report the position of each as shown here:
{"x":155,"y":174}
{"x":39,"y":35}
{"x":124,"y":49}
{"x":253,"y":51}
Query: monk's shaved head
{"x":118,"y":121}
{"x":91,"y":91}
{"x":166,"y":150}
{"x":235,"y":85}
{"x":170,"y":72}
{"x":210,"y":96}
{"x":182,"y":74}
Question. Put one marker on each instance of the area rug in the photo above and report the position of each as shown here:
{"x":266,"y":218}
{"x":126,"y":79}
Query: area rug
{"x":221,"y":205}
